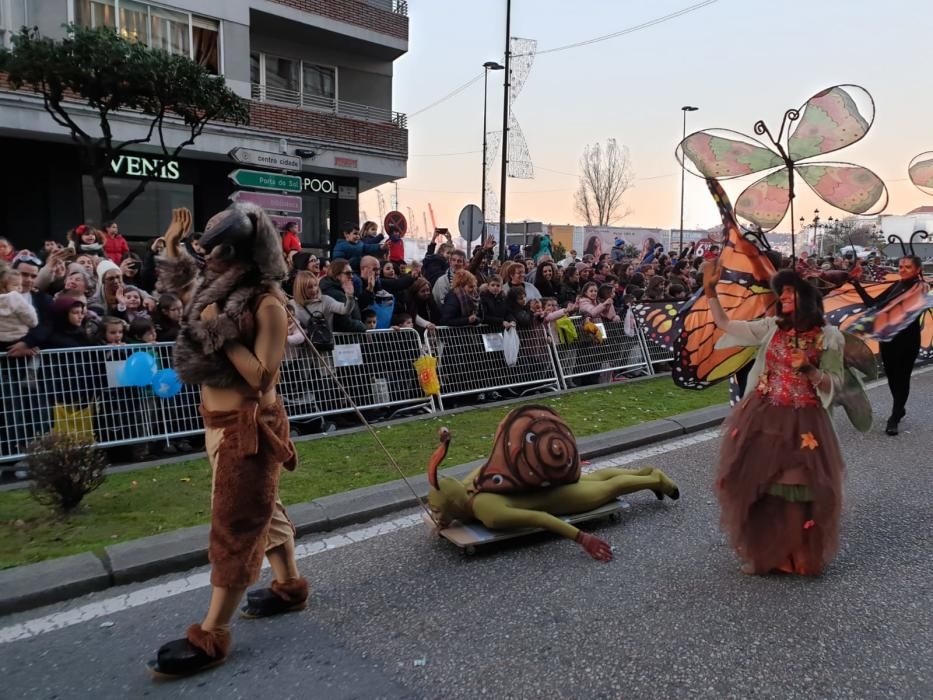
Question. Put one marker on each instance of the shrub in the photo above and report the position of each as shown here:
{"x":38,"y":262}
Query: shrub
{"x":64,"y":469}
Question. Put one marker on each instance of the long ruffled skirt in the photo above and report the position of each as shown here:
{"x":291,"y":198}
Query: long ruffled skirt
{"x":779,"y":485}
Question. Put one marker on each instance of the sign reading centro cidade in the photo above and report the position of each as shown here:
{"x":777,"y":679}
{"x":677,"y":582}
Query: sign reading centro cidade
{"x":144,"y":166}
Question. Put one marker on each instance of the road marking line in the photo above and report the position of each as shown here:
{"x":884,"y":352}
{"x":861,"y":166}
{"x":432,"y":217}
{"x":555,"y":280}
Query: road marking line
{"x":186,"y":584}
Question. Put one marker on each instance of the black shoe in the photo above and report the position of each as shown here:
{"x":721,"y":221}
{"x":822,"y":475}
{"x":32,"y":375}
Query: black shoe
{"x":179,"y":659}
{"x":266,"y":602}
{"x":891,"y":427}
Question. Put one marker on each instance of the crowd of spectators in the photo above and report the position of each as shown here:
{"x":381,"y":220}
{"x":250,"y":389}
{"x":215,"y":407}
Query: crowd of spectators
{"x":93,"y":289}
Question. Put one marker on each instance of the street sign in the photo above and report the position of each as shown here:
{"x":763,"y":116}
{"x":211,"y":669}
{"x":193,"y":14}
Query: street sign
{"x":281,"y":221}
{"x":266,"y":181}
{"x":397,"y":220}
{"x":265,"y":159}
{"x":272,"y":202}
{"x":471,"y":223}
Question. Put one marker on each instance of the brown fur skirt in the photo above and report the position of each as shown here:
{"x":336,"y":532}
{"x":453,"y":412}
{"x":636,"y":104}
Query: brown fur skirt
{"x":779,"y":485}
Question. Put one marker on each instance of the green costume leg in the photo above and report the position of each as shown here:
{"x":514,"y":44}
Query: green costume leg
{"x":594,"y":490}
{"x":604,"y":474}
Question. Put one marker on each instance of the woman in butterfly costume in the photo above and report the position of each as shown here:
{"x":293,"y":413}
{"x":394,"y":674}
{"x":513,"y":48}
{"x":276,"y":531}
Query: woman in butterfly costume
{"x":898,"y":351}
{"x":779,"y":479}
{"x":532,"y":477}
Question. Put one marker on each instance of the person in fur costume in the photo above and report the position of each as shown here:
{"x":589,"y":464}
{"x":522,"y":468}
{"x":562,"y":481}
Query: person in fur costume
{"x":231,"y":342}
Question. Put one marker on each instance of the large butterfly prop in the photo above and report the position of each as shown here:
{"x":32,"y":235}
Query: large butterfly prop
{"x":743,"y":292}
{"x":827,"y":122}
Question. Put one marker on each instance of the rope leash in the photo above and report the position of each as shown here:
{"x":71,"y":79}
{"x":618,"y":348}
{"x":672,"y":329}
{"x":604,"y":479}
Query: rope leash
{"x":359,"y":414}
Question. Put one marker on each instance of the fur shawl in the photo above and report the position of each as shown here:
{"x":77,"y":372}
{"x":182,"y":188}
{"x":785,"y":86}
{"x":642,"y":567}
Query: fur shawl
{"x":199,"y":356}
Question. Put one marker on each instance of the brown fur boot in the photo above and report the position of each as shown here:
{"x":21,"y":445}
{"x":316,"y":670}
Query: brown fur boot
{"x":198,"y":651}
{"x":280,"y":597}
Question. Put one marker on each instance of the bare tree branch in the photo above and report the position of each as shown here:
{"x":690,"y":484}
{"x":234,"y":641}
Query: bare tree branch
{"x":605,"y":176}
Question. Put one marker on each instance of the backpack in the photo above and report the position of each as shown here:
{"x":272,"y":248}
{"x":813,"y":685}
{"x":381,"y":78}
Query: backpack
{"x":319,"y":332}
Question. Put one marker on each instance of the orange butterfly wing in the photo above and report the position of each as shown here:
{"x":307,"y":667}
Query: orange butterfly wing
{"x":745,"y":296}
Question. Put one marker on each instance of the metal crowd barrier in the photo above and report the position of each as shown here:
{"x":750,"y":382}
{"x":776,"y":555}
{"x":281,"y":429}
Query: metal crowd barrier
{"x":470,"y":360}
{"x":375,"y":368}
{"x":614,"y":353}
{"x":77,"y":390}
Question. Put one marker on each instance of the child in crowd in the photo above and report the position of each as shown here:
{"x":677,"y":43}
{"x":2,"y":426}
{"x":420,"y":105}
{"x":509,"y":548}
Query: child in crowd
{"x":141,"y":330}
{"x":111,"y":331}
{"x":516,"y":309}
{"x":68,"y":319}
{"x":86,"y":241}
{"x":133,"y":298}
{"x":494,"y":310}
{"x":592,"y":306}
{"x":17,"y":316}
{"x":400,"y":321}
{"x":369,"y":319}
{"x":168,"y":317}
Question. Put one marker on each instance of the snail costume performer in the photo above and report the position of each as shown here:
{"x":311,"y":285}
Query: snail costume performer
{"x":231,"y":343}
{"x":779,"y":480}
{"x":532,"y":476}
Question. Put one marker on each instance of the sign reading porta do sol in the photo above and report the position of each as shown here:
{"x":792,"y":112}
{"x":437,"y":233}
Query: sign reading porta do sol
{"x":266,"y":181}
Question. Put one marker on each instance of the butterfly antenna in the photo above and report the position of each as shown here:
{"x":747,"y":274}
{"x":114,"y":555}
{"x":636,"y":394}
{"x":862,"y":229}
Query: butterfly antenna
{"x":892,"y":238}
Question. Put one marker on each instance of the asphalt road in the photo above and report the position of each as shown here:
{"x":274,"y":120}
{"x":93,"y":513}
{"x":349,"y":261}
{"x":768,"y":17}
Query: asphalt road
{"x":397,"y":613}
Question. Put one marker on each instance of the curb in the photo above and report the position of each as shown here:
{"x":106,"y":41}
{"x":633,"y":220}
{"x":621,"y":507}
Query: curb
{"x":33,"y":585}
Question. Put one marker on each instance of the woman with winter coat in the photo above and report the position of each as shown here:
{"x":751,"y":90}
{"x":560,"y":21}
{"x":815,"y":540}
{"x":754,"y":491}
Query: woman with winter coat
{"x":309,"y":300}
{"x":420,"y":305}
{"x":332,"y":285}
{"x":460,"y":307}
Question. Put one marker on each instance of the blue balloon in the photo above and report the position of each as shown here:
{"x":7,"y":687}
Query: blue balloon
{"x":139,"y":369}
{"x":165,"y":384}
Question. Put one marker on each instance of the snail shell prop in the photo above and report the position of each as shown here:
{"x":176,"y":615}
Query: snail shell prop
{"x":533,"y":448}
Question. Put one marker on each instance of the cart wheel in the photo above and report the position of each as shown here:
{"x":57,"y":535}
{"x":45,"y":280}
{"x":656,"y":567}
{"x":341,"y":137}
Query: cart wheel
{"x":469,"y":550}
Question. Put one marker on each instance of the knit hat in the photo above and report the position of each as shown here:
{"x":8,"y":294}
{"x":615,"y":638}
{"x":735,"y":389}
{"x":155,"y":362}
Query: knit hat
{"x":105,"y":266}
{"x":64,"y":303}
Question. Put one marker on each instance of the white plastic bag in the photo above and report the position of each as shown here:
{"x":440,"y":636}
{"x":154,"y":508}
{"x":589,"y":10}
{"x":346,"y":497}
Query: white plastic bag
{"x":510,"y":346}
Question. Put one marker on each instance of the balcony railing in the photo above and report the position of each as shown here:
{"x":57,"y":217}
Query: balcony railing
{"x":317,"y":103}
{"x":399,"y":7}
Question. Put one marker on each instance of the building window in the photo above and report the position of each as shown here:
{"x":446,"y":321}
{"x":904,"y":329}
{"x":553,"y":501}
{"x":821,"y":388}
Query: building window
{"x":293,"y":81}
{"x":282,"y":84}
{"x":205,"y":34}
{"x":150,"y":212}
{"x":179,"y":33}
{"x":319,"y":81}
{"x":97,"y":13}
{"x":170,"y":31}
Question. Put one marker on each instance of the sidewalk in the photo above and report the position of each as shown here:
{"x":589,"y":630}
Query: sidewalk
{"x":55,"y":580}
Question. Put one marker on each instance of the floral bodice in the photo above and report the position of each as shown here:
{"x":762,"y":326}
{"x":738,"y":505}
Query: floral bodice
{"x":779,"y":382}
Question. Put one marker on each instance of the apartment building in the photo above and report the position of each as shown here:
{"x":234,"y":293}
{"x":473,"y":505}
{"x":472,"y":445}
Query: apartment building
{"x":318,"y":77}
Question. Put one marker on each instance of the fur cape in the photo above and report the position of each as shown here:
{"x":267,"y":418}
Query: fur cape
{"x":199,"y":356}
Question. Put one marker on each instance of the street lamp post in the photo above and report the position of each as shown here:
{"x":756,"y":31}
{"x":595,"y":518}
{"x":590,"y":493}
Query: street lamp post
{"x":683,"y":170}
{"x":487,"y":66}
{"x":506,"y":86}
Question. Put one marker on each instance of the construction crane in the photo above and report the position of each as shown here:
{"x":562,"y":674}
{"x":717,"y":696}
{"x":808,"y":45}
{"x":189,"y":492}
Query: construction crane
{"x":431,"y":209}
{"x":426,"y":229}
{"x":411,"y":219}
{"x":363,"y":217}
{"x":382,"y":206}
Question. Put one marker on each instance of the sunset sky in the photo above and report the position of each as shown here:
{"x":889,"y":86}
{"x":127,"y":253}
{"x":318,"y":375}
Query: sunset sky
{"x":737,"y":60}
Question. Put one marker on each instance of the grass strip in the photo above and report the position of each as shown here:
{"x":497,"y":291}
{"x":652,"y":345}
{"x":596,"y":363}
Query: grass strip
{"x":159,"y":499}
